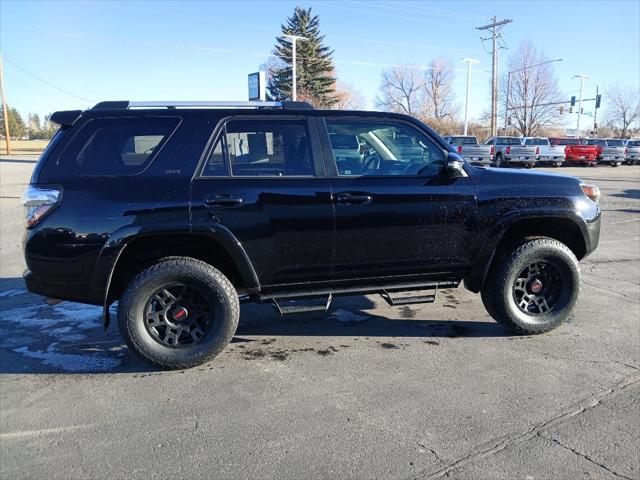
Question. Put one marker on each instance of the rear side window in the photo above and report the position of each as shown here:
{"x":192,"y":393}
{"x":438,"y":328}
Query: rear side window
{"x":116,"y":146}
{"x":253,"y":148}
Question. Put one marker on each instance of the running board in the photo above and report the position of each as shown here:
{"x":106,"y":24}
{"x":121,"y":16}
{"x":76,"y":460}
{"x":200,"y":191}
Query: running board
{"x":409,"y":300}
{"x":293,"y":308}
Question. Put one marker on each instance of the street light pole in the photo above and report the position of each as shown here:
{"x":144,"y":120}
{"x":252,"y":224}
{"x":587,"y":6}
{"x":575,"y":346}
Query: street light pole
{"x":293,"y":39}
{"x":506,"y":101}
{"x":469,"y":61}
{"x":581,"y":77}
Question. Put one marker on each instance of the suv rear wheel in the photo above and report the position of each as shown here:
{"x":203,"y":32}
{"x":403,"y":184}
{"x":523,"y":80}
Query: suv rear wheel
{"x":534,"y":288}
{"x":178,"y":313}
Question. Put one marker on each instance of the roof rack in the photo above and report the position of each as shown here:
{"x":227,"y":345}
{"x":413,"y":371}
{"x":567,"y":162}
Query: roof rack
{"x":125,"y":104}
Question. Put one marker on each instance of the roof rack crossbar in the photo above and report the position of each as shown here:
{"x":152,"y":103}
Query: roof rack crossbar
{"x":123,"y":105}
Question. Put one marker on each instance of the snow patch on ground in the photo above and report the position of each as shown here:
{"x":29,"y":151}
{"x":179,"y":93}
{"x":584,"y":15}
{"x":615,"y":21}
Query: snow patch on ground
{"x":13,"y":292}
{"x":346,"y":316}
{"x":52,"y":335}
{"x":70,"y":362}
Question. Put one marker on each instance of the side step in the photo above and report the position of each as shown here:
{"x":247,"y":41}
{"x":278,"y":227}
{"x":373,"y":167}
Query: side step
{"x":409,"y":300}
{"x":293,"y":306}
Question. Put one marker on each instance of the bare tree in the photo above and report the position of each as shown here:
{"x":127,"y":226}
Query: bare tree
{"x":402,"y":90}
{"x":622,"y":108}
{"x":533,"y":90}
{"x":440,"y":99}
{"x":349,"y":98}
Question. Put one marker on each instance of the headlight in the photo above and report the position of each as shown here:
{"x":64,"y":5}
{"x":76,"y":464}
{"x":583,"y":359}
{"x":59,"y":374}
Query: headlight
{"x":591,"y":191}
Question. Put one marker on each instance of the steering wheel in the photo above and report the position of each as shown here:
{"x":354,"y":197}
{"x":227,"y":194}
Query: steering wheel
{"x":371,"y":162}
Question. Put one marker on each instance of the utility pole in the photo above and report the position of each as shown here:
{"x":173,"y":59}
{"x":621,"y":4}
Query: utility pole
{"x":5,"y":115}
{"x":595,"y":114}
{"x":469,"y":61}
{"x":581,"y":77}
{"x":494,"y":27}
{"x":293,"y":39}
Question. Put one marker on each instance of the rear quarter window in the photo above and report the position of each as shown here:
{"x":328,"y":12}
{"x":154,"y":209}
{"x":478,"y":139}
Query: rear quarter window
{"x":116,"y":146}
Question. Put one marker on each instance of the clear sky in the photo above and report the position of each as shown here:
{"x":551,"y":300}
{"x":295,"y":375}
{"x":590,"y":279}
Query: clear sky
{"x":167,"y":50}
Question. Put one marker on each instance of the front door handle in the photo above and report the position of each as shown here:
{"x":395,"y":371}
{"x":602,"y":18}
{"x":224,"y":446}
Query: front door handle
{"x":223,"y":200}
{"x":353,"y":198}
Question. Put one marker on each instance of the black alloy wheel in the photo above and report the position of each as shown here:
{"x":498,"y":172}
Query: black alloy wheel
{"x":537,"y":288}
{"x":178,"y":315}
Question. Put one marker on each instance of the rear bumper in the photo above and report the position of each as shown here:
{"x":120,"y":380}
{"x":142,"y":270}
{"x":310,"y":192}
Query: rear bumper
{"x":521,"y":159}
{"x":67,"y":291}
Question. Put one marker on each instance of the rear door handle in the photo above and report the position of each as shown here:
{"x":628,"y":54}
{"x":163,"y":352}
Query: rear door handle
{"x":353,"y":198}
{"x":223,"y":200}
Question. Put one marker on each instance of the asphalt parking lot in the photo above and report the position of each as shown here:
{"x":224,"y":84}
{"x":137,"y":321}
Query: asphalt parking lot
{"x":368,"y":391}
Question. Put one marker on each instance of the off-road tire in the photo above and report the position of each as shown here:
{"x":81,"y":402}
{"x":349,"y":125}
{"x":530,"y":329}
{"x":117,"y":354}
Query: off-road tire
{"x":498,"y":290}
{"x":214,"y":285}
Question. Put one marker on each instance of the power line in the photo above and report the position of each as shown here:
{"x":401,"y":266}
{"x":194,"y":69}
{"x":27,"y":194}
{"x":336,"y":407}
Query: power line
{"x":66,"y":92}
{"x":222,"y":50}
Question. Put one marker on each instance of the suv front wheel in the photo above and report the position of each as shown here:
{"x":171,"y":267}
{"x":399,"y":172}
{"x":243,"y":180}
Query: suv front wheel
{"x":534,"y":288}
{"x":178,"y":313}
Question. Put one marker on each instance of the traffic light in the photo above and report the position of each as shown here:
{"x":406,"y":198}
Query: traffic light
{"x":508,"y":120}
{"x":561,"y":109}
{"x":598,"y":98}
{"x":570,"y":109}
{"x":595,"y":126}
{"x":573,"y":101}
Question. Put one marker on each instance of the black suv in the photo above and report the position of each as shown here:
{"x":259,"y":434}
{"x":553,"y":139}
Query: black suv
{"x":181,"y":211}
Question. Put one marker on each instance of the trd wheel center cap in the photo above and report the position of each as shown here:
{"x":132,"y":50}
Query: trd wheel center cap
{"x":536,"y":286}
{"x":179,"y":314}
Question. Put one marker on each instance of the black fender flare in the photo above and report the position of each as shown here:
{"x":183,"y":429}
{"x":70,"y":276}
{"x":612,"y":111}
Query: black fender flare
{"x":121,"y":238}
{"x":480,"y":268}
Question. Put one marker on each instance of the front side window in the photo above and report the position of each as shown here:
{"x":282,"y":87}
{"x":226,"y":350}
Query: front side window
{"x":363,"y":147}
{"x":116,"y":146}
{"x":262,"y":148}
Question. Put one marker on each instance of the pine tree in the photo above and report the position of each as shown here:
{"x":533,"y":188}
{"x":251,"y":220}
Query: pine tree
{"x":315,"y":81}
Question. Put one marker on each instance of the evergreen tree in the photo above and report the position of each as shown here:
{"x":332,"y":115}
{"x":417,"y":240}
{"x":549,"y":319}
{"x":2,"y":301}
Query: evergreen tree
{"x":315,"y":80}
{"x":17,"y":128}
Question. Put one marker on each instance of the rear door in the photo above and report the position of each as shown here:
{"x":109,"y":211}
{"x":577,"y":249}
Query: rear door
{"x":264,"y":181}
{"x":396,"y":212}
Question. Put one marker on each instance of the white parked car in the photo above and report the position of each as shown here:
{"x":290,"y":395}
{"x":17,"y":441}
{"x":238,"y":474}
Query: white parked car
{"x":547,"y":153}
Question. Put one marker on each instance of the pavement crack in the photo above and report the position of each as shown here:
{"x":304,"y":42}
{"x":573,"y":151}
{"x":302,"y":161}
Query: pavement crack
{"x":495,"y":446}
{"x":600,"y":287}
{"x":586,"y":457}
{"x":586,"y":360}
{"x":432,"y":451}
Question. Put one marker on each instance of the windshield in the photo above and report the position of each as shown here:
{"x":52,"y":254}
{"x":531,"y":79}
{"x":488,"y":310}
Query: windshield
{"x":615,"y":143}
{"x":464,"y":141}
{"x":508,"y":141}
{"x":536,"y":141}
{"x":594,"y":141}
{"x":633,"y":143}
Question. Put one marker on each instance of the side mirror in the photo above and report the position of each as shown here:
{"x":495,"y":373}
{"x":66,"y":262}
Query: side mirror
{"x":455,"y":167}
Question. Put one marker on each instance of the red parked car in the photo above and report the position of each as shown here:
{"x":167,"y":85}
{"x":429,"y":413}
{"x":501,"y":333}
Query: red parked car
{"x":576,"y":151}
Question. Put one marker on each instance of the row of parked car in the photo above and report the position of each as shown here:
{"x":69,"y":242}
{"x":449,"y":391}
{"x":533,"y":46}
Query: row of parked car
{"x":555,"y":151}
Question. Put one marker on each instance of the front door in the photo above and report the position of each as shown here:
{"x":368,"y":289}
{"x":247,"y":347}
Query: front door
{"x":264,"y":182}
{"x":397,"y":212}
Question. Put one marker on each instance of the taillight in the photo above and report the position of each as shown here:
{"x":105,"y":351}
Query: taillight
{"x":537,"y":150}
{"x":626,"y":151}
{"x":39,"y":201}
{"x":459,"y":148}
{"x":508,"y":150}
{"x":567,"y":150}
{"x":493,"y":150}
{"x":591,"y":191}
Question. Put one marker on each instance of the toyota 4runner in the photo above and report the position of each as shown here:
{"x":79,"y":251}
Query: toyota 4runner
{"x":180,"y":211}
